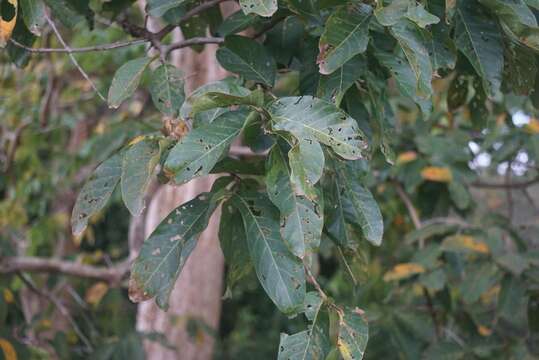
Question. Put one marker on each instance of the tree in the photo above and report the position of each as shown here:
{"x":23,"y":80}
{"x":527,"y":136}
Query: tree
{"x":336,"y":113}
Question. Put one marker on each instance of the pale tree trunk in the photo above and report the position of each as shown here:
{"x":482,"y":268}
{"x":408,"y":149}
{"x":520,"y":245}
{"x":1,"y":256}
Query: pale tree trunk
{"x":197,"y":294}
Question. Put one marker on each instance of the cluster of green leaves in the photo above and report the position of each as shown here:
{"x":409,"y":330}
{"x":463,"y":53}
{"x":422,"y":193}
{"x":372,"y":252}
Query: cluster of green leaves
{"x":312,"y":100}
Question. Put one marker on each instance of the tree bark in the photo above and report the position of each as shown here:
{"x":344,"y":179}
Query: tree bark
{"x":195,"y":301}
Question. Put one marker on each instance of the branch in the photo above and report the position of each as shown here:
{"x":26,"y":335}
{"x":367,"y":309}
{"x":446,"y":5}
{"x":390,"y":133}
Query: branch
{"x":112,"y":275}
{"x":191,"y":42}
{"x":508,"y":185}
{"x":101,"y":47}
{"x":73,"y":60}
{"x":409,"y":206}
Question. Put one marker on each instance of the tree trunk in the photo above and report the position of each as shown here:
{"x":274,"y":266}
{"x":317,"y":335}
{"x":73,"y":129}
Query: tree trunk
{"x":195,"y":302}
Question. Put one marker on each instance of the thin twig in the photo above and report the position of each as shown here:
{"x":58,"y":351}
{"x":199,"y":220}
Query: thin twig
{"x":348,"y":268}
{"x":73,"y":60}
{"x":312,"y":279}
{"x":101,"y":47}
{"x":409,"y":206}
{"x":512,"y":185}
{"x":58,"y":304}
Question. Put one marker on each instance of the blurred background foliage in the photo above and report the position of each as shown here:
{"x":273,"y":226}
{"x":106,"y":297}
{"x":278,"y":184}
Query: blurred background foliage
{"x":460,"y":281}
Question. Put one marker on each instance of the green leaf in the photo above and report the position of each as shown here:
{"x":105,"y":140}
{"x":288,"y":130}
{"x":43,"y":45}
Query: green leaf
{"x":280,"y":273}
{"x":358,"y":204}
{"x":211,"y":100}
{"x":391,"y":14}
{"x":307,"y":117}
{"x":228,"y":86}
{"x":301,"y":220}
{"x":353,"y":334}
{"x":158,"y":8}
{"x":33,"y":14}
{"x":96,"y":192}
{"x":306,"y":159}
{"x":234,"y":244}
{"x":166,"y":88}
{"x":346,"y":34}
{"x":259,"y":7}
{"x":137,"y":169}
{"x":477,"y":36}
{"x":197,"y":152}
{"x":333,"y":87}
{"x":248,"y":58}
{"x":420,"y":16}
{"x":70,"y":13}
{"x":236,"y":23}
{"x":404,"y":76}
{"x":165,"y":252}
{"x":126,"y":80}
{"x":413,"y":42}
{"x":513,"y":12}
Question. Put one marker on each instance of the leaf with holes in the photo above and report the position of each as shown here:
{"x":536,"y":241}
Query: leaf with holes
{"x":309,"y":344}
{"x":478,"y":37}
{"x":138,"y":166}
{"x":353,"y":334}
{"x":248,"y":58}
{"x":301,"y":219}
{"x":166,"y":88}
{"x":333,"y":87}
{"x":280,"y":273}
{"x":96,"y":192}
{"x":212,"y":100}
{"x":33,"y":14}
{"x":165,"y":252}
{"x":8,"y":19}
{"x":259,"y":7}
{"x":126,"y":80}
{"x":197,"y":153}
{"x":346,"y":34}
{"x":307,"y":117}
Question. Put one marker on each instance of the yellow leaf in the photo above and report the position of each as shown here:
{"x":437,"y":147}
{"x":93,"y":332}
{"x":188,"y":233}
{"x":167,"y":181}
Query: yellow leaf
{"x":465,"y":242}
{"x":8,"y":296}
{"x":96,"y":292}
{"x":136,"y":140}
{"x":438,"y":174}
{"x":533,"y":126}
{"x":484,"y":331}
{"x":406,"y":157}
{"x":8,"y":18}
{"x":8,"y":349}
{"x":403,"y":271}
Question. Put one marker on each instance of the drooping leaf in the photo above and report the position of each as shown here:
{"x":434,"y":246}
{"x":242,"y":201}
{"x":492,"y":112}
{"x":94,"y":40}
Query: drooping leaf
{"x":259,"y":7}
{"x":19,"y":56}
{"x":346,"y":35}
{"x":235,"y":23}
{"x":70,"y":13}
{"x":391,"y":14}
{"x":166,"y":88}
{"x":307,"y":117}
{"x":301,"y":220}
{"x":138,"y":165}
{"x":158,"y":8}
{"x":280,"y":273}
{"x":353,"y":334}
{"x":165,"y":252}
{"x":477,"y":36}
{"x":96,"y":192}
{"x":306,"y":159}
{"x":234,"y":244}
{"x":333,"y":87}
{"x":420,"y":16}
{"x":197,"y":152}
{"x":358,"y":204}
{"x":414,"y":44}
{"x":33,"y":14}
{"x":126,"y":80}
{"x":247,"y":58}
